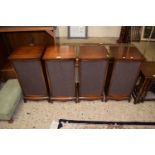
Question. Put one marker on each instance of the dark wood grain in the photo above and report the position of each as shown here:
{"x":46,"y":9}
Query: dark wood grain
{"x":125,"y":53}
{"x":60,"y":72}
{"x":27,"y":52}
{"x":147,"y":79}
{"x":93,"y":52}
{"x":15,"y":40}
{"x":27,"y":63}
{"x":60,"y":52}
{"x":25,"y":28}
{"x":148,"y":69}
{"x":93,"y":65}
{"x":125,"y":62}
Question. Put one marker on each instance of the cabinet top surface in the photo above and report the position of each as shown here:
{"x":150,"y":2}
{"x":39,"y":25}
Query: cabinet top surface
{"x":148,"y":69}
{"x":27,"y":52}
{"x":25,"y":28}
{"x":93,"y":52}
{"x":126,"y":53}
{"x":60,"y":52}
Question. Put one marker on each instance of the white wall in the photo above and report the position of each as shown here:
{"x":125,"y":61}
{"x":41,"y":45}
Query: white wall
{"x":93,"y":31}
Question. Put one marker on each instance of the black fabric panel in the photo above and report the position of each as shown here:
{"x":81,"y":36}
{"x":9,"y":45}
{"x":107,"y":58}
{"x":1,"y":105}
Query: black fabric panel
{"x":123,"y":77}
{"x":62,"y":77}
{"x":92,"y":76}
{"x":31,"y":77}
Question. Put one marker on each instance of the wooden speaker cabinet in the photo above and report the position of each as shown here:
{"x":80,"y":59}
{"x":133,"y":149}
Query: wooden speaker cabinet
{"x":93,"y":65}
{"x":60,"y":71}
{"x":27,"y":63}
{"x":125,"y":71}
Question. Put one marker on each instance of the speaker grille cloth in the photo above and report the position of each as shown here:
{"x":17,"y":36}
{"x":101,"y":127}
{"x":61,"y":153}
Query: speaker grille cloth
{"x":123,"y":77}
{"x":62,"y":77}
{"x":92,"y":76}
{"x":31,"y":77}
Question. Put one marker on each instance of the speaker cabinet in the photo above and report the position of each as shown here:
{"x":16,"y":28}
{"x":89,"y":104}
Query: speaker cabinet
{"x":27,"y":63}
{"x":60,"y":69}
{"x":93,"y":64}
{"x":126,"y":67}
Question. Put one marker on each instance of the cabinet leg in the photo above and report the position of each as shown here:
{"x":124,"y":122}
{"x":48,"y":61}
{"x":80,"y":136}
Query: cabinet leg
{"x":11,"y":120}
{"x":25,"y":100}
{"x":135,"y":101}
{"x":106,"y":99}
{"x":50,"y":101}
{"x":129,"y":99}
{"x":102,"y":100}
{"x":77,"y":100}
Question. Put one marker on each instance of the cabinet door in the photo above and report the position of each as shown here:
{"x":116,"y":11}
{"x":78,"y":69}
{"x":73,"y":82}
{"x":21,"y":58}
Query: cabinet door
{"x":31,"y":77}
{"x":123,"y":78}
{"x":92,"y":77}
{"x":61,"y":77}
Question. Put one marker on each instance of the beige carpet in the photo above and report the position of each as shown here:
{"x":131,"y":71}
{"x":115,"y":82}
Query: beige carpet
{"x":41,"y":114}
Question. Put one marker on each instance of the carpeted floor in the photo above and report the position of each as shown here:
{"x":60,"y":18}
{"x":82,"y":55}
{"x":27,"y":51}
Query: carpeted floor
{"x":41,"y":114}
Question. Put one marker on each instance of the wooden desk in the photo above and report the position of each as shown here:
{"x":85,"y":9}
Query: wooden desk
{"x":146,"y":80}
{"x":13,"y":37}
{"x":60,"y":71}
{"x":49,"y":29}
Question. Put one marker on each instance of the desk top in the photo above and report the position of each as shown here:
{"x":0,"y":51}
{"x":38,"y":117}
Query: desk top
{"x":25,"y":28}
{"x":60,"y":52}
{"x":148,"y":69}
{"x":93,"y":52}
{"x":27,"y":52}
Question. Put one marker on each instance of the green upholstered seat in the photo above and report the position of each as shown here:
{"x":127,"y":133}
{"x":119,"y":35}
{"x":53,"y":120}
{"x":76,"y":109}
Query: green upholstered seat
{"x":10,"y":95}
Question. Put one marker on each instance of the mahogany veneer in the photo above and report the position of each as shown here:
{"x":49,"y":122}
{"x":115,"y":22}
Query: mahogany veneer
{"x":93,"y":65}
{"x":124,"y":72}
{"x":27,"y":63}
{"x":60,"y":71}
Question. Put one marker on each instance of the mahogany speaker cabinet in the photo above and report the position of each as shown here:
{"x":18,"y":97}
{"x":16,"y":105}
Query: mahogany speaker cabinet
{"x":27,"y":63}
{"x":125,"y":71}
{"x":93,"y":65}
{"x":60,"y":71}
